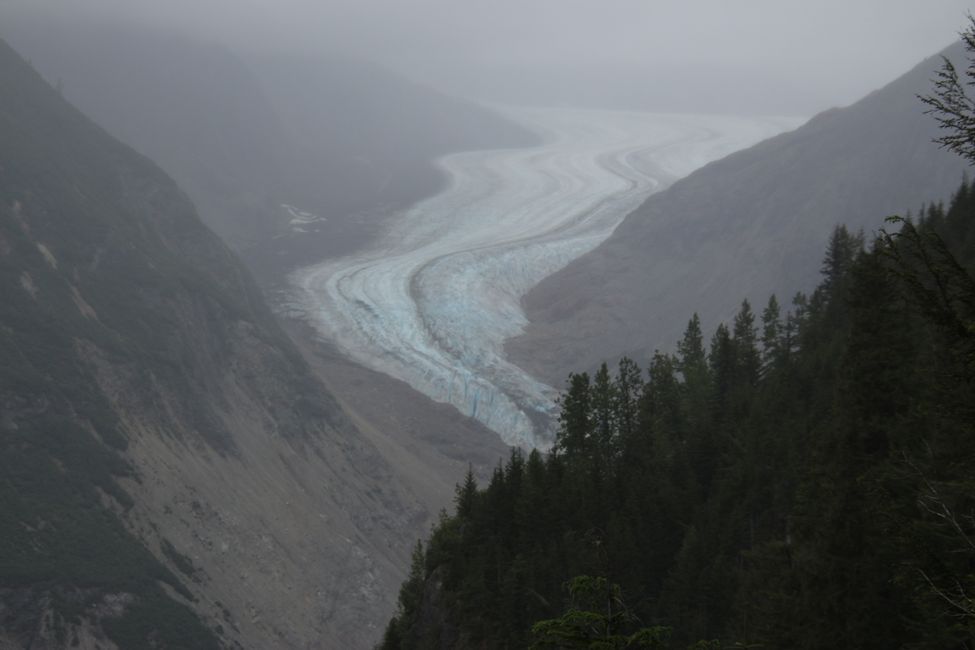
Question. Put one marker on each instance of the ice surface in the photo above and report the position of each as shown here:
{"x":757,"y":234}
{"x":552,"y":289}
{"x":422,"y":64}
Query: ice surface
{"x":434,"y":300}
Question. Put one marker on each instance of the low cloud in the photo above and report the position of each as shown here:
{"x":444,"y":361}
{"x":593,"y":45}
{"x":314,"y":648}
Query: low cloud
{"x":774,"y":55}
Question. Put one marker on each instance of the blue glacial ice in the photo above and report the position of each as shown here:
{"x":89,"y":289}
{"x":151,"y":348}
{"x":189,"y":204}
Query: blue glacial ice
{"x":434,"y":299}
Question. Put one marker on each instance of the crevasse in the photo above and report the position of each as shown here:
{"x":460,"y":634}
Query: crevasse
{"x":433,"y":301}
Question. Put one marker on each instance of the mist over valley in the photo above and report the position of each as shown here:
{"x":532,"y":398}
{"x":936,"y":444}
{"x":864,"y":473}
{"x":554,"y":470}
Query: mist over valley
{"x":431,"y":324}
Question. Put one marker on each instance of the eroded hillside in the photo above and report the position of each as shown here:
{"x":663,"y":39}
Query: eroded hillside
{"x":172,"y":469}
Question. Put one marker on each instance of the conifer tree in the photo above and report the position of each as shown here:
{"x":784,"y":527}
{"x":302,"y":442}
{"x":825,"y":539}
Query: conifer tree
{"x":629,"y":387}
{"x":721,"y":363}
{"x":466,"y":494}
{"x":604,"y":401}
{"x":771,"y":334}
{"x":596,"y":619}
{"x":840,"y":253}
{"x":951,"y":105}
{"x":575,"y":420}
{"x":745,"y":337}
{"x":690,"y":349}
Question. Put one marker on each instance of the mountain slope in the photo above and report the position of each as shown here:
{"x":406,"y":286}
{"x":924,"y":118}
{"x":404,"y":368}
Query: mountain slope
{"x":194,"y":108}
{"x":744,"y":226}
{"x":245,"y":134}
{"x":372,"y":133}
{"x":171,"y":471}
{"x":362,"y":145}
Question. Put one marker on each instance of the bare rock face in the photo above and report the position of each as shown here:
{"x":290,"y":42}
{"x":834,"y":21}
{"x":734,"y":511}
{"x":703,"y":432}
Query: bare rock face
{"x":173,"y":473}
{"x":746,"y":226}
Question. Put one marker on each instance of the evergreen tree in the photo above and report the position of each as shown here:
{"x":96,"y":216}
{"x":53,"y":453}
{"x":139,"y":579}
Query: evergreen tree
{"x":840,"y":254}
{"x":772,"y":335}
{"x":951,"y":105}
{"x":745,"y":337}
{"x":816,"y":495}
{"x":575,"y":420}
{"x":597,"y":618}
{"x":690,"y":350}
{"x":466,"y":494}
{"x":629,"y":388}
{"x":604,"y":401}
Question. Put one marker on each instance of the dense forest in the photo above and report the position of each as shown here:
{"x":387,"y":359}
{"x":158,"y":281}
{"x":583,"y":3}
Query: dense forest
{"x":803,"y":480}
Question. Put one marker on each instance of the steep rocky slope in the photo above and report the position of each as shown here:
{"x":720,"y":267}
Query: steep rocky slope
{"x":172,"y":472}
{"x":748,"y":225}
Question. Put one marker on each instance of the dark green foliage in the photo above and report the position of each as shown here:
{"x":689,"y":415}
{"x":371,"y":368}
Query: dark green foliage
{"x":575,"y":437}
{"x":806,"y":483}
{"x":154,"y":620}
{"x":773,"y":346}
{"x":951,"y":105}
{"x":814,"y":492}
{"x":596,"y":619}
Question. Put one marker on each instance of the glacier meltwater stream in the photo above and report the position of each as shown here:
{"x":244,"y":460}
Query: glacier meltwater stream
{"x":433,"y":300}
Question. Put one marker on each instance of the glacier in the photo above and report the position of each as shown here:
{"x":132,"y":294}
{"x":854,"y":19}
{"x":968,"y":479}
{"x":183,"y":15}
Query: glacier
{"x":433,"y":299}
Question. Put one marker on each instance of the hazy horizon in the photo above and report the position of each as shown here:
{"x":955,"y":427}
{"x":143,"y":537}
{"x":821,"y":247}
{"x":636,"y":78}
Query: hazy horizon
{"x":768,"y":57}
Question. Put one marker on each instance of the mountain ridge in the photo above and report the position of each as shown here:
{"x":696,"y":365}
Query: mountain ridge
{"x":744,"y":226}
{"x":341,"y":139}
{"x":172,"y":470}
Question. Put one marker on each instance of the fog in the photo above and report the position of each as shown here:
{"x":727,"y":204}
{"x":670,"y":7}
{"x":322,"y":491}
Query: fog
{"x":759,"y":56}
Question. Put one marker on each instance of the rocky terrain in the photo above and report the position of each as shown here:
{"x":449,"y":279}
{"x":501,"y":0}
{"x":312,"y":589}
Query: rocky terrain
{"x":173,"y":470}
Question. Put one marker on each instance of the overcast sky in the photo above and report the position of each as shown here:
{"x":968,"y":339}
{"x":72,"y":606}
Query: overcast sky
{"x":775,"y":56}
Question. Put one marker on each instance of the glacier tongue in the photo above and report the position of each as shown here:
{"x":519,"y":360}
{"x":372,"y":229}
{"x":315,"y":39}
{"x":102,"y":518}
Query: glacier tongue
{"x":434,"y":300}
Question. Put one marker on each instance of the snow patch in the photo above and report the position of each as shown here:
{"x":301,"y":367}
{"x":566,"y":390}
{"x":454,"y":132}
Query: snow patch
{"x":79,"y":301}
{"x":27,"y":284}
{"x":48,"y":256}
{"x":300,"y":218}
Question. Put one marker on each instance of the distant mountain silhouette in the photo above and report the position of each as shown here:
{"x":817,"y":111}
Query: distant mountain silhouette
{"x":330,"y":136}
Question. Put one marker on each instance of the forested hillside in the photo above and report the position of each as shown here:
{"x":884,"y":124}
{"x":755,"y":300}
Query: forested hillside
{"x":802,"y":480}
